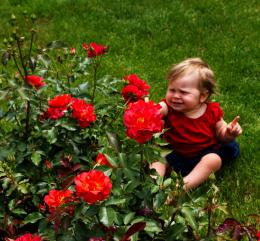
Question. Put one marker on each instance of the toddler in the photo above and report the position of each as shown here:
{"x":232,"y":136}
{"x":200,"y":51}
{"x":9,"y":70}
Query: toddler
{"x":201,"y":140}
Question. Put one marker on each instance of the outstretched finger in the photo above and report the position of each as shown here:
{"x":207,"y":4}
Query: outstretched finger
{"x":235,"y":121}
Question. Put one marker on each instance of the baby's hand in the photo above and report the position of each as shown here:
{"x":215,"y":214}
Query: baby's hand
{"x":233,"y":128}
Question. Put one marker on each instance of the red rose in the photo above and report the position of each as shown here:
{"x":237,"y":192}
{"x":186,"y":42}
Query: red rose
{"x":55,"y":113}
{"x":35,"y":81}
{"x":142,"y":120}
{"x":42,"y":207}
{"x":95,"y":49}
{"x":48,"y":164}
{"x":96,"y":239}
{"x":60,"y":101}
{"x":258,"y":235}
{"x":102,"y":160}
{"x":72,"y":51}
{"x":58,"y":106}
{"x":56,"y":198}
{"x":136,"y":89}
{"x":93,"y":186}
{"x":29,"y":237}
{"x":83,"y":112}
{"x":133,"y":79}
{"x":131,"y":93}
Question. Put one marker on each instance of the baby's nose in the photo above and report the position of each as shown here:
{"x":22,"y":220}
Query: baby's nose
{"x":176,"y":95}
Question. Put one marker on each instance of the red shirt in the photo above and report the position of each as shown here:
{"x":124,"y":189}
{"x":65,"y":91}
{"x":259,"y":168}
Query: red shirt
{"x":189,"y":136}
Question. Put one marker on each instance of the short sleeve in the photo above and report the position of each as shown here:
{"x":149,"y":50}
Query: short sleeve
{"x":216,"y":111}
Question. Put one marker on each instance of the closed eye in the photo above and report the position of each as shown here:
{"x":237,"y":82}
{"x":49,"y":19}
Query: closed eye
{"x":172,"y":90}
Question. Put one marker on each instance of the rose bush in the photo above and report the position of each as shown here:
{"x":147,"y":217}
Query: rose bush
{"x":75,"y":149}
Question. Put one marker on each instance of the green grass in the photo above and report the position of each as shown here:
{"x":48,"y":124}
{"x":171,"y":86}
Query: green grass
{"x":146,"y":37}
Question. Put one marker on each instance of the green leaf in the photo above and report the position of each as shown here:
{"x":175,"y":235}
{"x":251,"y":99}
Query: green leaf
{"x":5,"y":182}
{"x":11,"y":189}
{"x":154,"y":189}
{"x":3,"y":94}
{"x":36,"y":158}
{"x":115,"y":201}
{"x":23,"y":187}
{"x":57,"y":44}
{"x":176,"y":232}
{"x":138,"y":219}
{"x":50,"y":135}
{"x":167,"y":182}
{"x":152,"y":226}
{"x":111,"y":160}
{"x":45,"y":59}
{"x":33,"y":217}
{"x":107,"y":215}
{"x":21,"y":146}
{"x":113,"y":141}
{"x":68,"y":127}
{"x":129,"y":217}
{"x":22,"y":94}
{"x":18,"y":211}
{"x":11,"y":204}
{"x":90,"y":210}
{"x":160,"y":199}
{"x":189,"y":216}
{"x":84,"y":87}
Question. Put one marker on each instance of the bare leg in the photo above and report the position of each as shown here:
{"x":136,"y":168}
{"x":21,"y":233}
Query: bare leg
{"x":208,"y":164}
{"x":159,"y":167}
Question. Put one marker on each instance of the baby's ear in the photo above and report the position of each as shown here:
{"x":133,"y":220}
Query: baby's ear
{"x":204,"y":96}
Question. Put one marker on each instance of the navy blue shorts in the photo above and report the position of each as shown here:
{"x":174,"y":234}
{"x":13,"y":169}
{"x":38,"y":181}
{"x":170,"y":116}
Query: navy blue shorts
{"x":184,"y":165}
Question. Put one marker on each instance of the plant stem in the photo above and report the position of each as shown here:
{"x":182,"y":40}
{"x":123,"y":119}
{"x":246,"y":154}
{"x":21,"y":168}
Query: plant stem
{"x":28,"y":107}
{"x":17,"y":66}
{"x":94,"y":83}
{"x":21,"y":56}
{"x":143,"y":164}
{"x":27,"y":122}
{"x":31,"y":43}
{"x":68,"y":79}
{"x":209,"y":220}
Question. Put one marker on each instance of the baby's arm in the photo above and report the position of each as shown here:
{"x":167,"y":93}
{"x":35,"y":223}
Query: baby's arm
{"x":228,"y":132}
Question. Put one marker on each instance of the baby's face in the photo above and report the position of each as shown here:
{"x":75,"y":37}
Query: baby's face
{"x":183,"y":94}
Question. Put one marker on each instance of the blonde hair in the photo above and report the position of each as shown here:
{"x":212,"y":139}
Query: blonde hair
{"x":205,"y":74}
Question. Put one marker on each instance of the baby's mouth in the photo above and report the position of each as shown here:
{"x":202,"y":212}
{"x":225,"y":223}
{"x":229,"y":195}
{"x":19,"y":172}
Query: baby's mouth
{"x":177,"y":103}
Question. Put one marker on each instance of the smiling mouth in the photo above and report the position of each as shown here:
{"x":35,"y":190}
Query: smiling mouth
{"x":176,"y":103}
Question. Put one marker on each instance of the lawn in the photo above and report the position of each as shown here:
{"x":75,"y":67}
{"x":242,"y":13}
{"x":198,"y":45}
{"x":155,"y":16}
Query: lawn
{"x":146,"y":37}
